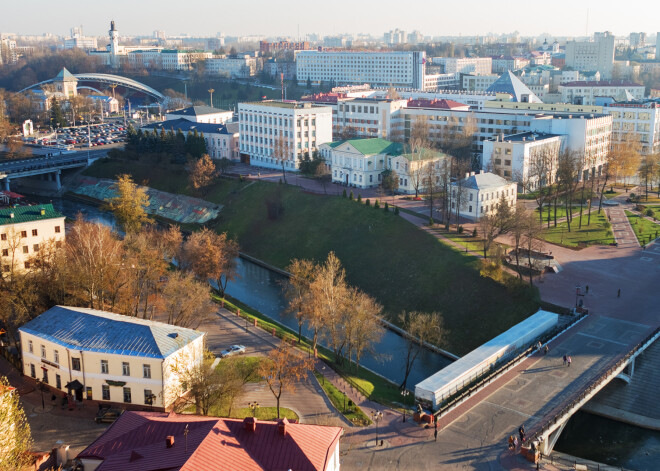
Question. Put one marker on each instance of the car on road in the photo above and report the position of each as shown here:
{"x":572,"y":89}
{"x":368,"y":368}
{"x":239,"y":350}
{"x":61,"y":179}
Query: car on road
{"x":233,"y":350}
{"x":107,"y":415}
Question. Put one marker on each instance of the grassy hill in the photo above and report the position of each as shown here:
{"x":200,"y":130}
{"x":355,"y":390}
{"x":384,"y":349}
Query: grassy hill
{"x":384,"y":255}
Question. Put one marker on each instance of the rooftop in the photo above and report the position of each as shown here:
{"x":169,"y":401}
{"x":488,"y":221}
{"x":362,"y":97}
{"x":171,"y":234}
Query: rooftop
{"x":527,"y":136}
{"x":198,"y":111}
{"x":442,"y":104}
{"x":483,"y":181}
{"x":28,"y":214}
{"x":372,"y":146}
{"x":282,"y":104}
{"x":184,"y":125}
{"x":602,"y":83}
{"x":509,"y":83}
{"x":136,"y":442}
{"x":99,"y":331}
{"x":65,"y":76}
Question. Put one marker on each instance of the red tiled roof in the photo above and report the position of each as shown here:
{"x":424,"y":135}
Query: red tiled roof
{"x":136,"y":441}
{"x":324,"y":97}
{"x":440,"y":104}
{"x":602,"y":83}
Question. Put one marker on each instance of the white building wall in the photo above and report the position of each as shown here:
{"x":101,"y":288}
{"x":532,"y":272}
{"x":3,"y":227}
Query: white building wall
{"x":18,"y":243}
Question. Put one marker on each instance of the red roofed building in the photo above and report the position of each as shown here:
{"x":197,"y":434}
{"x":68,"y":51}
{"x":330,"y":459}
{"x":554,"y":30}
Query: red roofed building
{"x":150,"y":441}
{"x":441,"y":104}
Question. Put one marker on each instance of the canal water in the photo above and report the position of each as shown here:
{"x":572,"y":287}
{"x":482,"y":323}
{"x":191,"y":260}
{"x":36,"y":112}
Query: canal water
{"x":261,"y":289}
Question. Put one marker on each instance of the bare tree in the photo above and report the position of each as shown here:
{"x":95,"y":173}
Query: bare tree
{"x":419,"y":149}
{"x":281,"y":152}
{"x":421,"y":328}
{"x":210,"y":256}
{"x":531,"y":232}
{"x":364,"y":329}
{"x":568,"y":168}
{"x":297,"y":291}
{"x":186,"y":301}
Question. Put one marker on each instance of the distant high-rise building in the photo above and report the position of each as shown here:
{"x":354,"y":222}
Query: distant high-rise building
{"x":637,"y":39}
{"x":596,"y":55}
{"x":160,"y":34}
{"x":395,"y":37}
{"x":79,"y":41}
{"x":657,"y":46}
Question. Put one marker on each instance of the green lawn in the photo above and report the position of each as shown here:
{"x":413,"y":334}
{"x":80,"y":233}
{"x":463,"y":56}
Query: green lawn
{"x":611,"y":193}
{"x":387,"y":257}
{"x":598,"y":232}
{"x":351,"y":411}
{"x":561,"y":212}
{"x":243,"y":362}
{"x":644,"y":229}
{"x":263,"y":413}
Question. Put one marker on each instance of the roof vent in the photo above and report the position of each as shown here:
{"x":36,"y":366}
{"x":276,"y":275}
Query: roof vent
{"x":42,"y":211}
{"x":173,"y":335}
{"x":169,"y":441}
{"x":281,"y":426}
{"x":250,"y":424}
{"x":11,"y":215}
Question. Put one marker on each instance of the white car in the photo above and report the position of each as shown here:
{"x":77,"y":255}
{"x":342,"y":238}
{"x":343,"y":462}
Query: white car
{"x":233,"y":350}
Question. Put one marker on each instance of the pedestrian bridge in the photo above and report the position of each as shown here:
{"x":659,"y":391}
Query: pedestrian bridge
{"x":47,"y":168}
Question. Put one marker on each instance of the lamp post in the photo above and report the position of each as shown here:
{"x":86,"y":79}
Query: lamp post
{"x":405,"y":393}
{"x":210,"y":90}
{"x":344,"y":392}
{"x":376,"y":416}
{"x":323,"y":375}
{"x":254,"y":406}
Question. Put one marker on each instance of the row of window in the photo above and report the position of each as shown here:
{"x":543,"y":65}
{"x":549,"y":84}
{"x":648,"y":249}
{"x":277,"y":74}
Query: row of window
{"x":24,"y":234}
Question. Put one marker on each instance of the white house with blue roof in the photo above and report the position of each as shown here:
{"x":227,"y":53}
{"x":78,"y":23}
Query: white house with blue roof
{"x":109,"y":357}
{"x":478,"y":194}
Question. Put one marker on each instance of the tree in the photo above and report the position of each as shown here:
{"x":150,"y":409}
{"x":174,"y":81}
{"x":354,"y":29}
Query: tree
{"x":568,"y":169}
{"x":209,"y":255}
{"x":297,"y":291}
{"x":281,"y":152}
{"x":648,"y":168}
{"x":282,"y":369}
{"x":223,"y":165}
{"x":56,"y":115}
{"x":14,"y":430}
{"x":186,"y":301}
{"x":130,"y":205}
{"x":531,"y":231}
{"x":419,"y":149}
{"x":390,"y":181}
{"x":458,"y":190}
{"x":202,"y":174}
{"x":421,"y":328}
{"x":431,"y":180}
{"x":539,"y":175}
{"x":624,"y":157}
{"x":201,"y":380}
{"x":363,"y":327}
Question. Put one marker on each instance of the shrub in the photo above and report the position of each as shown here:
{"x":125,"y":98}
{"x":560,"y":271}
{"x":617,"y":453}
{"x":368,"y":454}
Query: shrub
{"x":343,"y":194}
{"x":377,"y":204}
{"x":396,"y":210}
{"x":350,"y":197}
{"x":387,"y":207}
{"x":359,"y":200}
{"x":460,"y":229}
{"x":649,"y":212}
{"x":368,"y":202}
{"x":474,"y":232}
{"x":430,"y":221}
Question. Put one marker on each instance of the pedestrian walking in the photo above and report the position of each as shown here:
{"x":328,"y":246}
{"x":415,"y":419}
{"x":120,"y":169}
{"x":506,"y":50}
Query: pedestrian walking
{"x":511,"y":445}
{"x":564,"y":360}
{"x":618,"y":294}
{"x":435,"y":434}
{"x":545,"y":349}
{"x":521,"y":432}
{"x":568,"y":359}
{"x":587,"y":289}
{"x":515,"y":442}
{"x":538,"y":345}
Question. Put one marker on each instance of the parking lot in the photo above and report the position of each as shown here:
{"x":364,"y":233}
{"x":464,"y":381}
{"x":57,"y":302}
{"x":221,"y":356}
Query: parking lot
{"x":92,"y":135}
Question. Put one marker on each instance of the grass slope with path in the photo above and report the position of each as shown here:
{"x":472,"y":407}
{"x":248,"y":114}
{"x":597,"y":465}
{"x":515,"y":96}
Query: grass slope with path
{"x":384,"y":255}
{"x":644,"y":230}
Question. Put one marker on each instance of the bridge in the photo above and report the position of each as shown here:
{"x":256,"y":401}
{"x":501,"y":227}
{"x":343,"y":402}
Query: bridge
{"x":109,"y":79}
{"x":48,"y":168}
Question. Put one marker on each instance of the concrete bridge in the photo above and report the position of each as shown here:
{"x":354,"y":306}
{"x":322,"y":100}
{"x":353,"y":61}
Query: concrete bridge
{"x":46,"y":168}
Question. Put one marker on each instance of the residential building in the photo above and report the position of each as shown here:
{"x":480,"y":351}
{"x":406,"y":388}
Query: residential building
{"x":639,"y":118}
{"x":222,"y":140}
{"x":502,"y":64}
{"x":337,"y":41}
{"x":278,"y":68}
{"x":108,"y":104}
{"x":360,"y":163}
{"x":201,"y":114}
{"x":214,"y":44}
{"x":585,"y":93}
{"x":78,"y":41}
{"x":404,"y":69}
{"x":265,"y":46}
{"x":8,"y":51}
{"x":478,"y":83}
{"x":278,"y":134}
{"x":592,"y":55}
{"x":479,"y":193}
{"x":240,"y":66}
{"x":465,"y":65}
{"x":151,"y":441}
{"x":433,"y":82}
{"x":109,"y":357}
{"x":637,"y":39}
{"x":26,"y":232}
{"x":394,"y":37}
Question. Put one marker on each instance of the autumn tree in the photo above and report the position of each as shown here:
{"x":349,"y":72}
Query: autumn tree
{"x":130,"y":205}
{"x":14,"y":430}
{"x":297,"y":291}
{"x":421,"y":328}
{"x":210,"y":256}
{"x":186,"y":301}
{"x":537,"y":180}
{"x":282,"y":369}
{"x":647,"y":171}
{"x":203,"y":382}
{"x":363,"y":327}
{"x":624,"y":157}
{"x":202,"y":174}
{"x":281,"y":152}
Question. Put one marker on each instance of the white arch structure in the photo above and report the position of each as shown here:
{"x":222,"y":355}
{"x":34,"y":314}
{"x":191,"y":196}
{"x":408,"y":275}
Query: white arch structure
{"x":110,"y":79}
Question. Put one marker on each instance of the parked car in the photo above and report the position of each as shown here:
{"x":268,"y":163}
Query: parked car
{"x":233,"y":350}
{"x":107,"y":415}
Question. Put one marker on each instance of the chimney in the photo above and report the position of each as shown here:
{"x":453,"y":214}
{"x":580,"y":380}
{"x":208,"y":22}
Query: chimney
{"x":11,"y":215}
{"x":472,"y":174}
{"x":281,"y":426}
{"x":42,"y":211}
{"x":169,"y":441}
{"x":250,"y":424}
{"x":467,"y":175}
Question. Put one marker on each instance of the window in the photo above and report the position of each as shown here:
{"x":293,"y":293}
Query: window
{"x":45,"y":375}
{"x":105,"y":392}
{"x":43,"y":351}
{"x":33,"y":372}
{"x":148,"y":397}
{"x":470,"y":209}
{"x":104,"y":367}
{"x":35,"y":247}
{"x":125,"y":369}
{"x":30,"y":346}
{"x":34,"y":233}
{"x":88,"y":390}
{"x":27,"y":265}
{"x":5,"y":252}
{"x":56,"y":356}
{"x":3,"y":236}
{"x":58,"y":382}
{"x":23,"y":233}
{"x":127,"y":394}
{"x":146,"y":371}
{"x":75,"y":364}
{"x":25,"y":249}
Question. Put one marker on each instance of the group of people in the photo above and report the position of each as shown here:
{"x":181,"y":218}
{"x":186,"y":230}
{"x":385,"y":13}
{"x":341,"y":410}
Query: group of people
{"x":513,"y":440}
{"x":567,"y":360}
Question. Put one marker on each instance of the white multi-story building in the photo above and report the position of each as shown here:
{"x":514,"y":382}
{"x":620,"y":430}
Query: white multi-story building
{"x":478,"y":83}
{"x":481,"y":193}
{"x":201,"y":114}
{"x":433,"y":82}
{"x":26,"y":232}
{"x":465,"y":65}
{"x":360,"y":163}
{"x":365,"y":117}
{"x":637,"y":39}
{"x":405,"y":69}
{"x":8,"y":53}
{"x":109,"y":357}
{"x":80,"y":42}
{"x":585,"y":93}
{"x":641,"y":119}
{"x":657,"y":46}
{"x":233,"y":67}
{"x":502,"y":64}
{"x":395,"y":36}
{"x":288,"y":128}
{"x":592,"y":55}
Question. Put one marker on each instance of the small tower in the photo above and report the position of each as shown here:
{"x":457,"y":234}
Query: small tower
{"x":66,"y":83}
{"x":114,"y":45}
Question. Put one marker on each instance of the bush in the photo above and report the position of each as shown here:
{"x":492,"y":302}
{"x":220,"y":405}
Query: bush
{"x":359,"y":200}
{"x":343,"y":194}
{"x":377,"y":204}
{"x":649,"y":212}
{"x":387,"y":207}
{"x":474,"y":232}
{"x":396,"y":210}
{"x":430,"y":221}
{"x":368,"y":203}
{"x":460,"y":229}
{"x":350,"y":197}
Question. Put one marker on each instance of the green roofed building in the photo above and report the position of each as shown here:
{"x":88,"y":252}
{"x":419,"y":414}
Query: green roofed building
{"x":360,"y":163}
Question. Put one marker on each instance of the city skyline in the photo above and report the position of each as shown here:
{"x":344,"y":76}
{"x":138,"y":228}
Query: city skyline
{"x":275,"y":19}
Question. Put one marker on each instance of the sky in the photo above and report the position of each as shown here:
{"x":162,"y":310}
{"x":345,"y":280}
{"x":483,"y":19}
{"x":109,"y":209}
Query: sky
{"x":328,"y":17}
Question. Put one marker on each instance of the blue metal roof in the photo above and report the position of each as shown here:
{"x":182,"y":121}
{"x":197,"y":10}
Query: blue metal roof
{"x":184,"y":125}
{"x":104,"y":332}
{"x":509,"y":83}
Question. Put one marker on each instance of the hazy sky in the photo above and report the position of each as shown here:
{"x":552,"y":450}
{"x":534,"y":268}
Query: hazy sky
{"x":283,"y":17}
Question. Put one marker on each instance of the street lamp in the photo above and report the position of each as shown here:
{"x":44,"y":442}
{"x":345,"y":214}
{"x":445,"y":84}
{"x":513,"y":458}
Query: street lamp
{"x":376,"y":416}
{"x":323,"y":375}
{"x":210,"y":90}
{"x":253,"y":406}
{"x":405,"y":393}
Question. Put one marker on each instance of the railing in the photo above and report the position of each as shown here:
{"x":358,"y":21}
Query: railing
{"x":577,"y":463}
{"x":479,"y":380}
{"x":561,"y":411}
{"x":48,"y":165}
